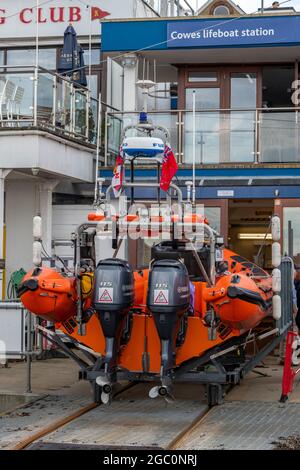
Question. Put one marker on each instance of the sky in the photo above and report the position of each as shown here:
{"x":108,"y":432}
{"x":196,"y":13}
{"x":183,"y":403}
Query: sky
{"x":250,"y":6}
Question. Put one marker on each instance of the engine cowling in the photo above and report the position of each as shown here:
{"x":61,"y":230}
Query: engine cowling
{"x":113,"y":297}
{"x":168,"y":300}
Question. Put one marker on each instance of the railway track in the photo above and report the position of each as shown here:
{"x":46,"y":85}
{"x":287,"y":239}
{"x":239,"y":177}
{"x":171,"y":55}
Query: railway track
{"x":184,"y":436}
{"x":134,"y":422}
{"x":22,"y":445}
{"x":131,"y":422}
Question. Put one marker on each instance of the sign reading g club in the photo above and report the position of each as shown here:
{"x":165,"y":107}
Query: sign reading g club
{"x":232,"y":32}
{"x":18,"y":17}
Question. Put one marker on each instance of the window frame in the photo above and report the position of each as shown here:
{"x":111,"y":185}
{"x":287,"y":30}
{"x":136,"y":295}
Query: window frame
{"x":222,"y":6}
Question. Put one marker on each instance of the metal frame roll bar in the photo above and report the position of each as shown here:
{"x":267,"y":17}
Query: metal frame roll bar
{"x":144,"y":185}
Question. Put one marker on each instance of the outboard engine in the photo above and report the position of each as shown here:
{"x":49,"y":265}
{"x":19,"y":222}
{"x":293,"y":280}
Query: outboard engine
{"x":168,"y":300}
{"x":113,"y":297}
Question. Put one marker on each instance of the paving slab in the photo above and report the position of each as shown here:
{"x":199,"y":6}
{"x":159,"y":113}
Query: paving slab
{"x":244,"y":426}
{"x":132,"y":421}
{"x":51,"y":376}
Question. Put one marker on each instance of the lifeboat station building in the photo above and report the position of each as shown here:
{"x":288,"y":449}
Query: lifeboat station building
{"x":244,"y":73}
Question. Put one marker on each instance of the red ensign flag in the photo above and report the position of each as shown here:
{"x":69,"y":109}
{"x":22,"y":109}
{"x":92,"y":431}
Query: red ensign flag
{"x":169,"y":169}
{"x":98,"y":14}
{"x":119,"y":174}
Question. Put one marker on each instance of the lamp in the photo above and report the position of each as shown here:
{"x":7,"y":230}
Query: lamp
{"x":254,"y":236}
{"x":129,"y":61}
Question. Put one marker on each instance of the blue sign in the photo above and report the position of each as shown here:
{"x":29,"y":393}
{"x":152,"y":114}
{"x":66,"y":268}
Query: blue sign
{"x":222,"y":32}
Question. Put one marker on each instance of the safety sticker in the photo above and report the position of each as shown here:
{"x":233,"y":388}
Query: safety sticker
{"x":106,"y":295}
{"x":161,"y":297}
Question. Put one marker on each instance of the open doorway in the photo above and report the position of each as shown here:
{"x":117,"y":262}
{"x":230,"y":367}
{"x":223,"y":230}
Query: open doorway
{"x":249,"y":221}
{"x":277,"y":88}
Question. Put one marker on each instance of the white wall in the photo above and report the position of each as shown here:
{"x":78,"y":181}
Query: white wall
{"x":162,"y":102}
{"x":115,"y":84}
{"x":65,"y":221}
{"x":18,"y":17}
{"x":20,"y":208}
{"x":35,"y":149}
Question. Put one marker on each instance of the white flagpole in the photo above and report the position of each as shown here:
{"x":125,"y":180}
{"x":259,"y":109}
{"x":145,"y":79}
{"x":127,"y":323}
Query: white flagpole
{"x":194,"y":147}
{"x":36,"y":74}
{"x":37,"y":35}
{"x":90,"y":48}
{"x":96,"y":197}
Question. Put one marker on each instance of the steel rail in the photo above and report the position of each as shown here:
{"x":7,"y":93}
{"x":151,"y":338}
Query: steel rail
{"x":23,"y":444}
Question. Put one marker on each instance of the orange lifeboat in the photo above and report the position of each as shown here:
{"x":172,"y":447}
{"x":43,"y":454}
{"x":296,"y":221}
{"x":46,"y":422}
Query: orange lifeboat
{"x":49,"y":294}
{"x":241,"y":301}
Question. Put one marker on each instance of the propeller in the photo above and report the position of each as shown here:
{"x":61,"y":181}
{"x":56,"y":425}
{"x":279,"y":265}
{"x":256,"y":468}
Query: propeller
{"x":106,"y":385}
{"x":154,"y":392}
{"x":106,"y":398}
{"x":162,"y":392}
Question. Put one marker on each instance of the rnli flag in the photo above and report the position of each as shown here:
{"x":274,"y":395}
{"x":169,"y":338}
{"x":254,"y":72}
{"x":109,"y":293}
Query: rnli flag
{"x":118,"y":177}
{"x":169,"y":168}
{"x":98,"y":14}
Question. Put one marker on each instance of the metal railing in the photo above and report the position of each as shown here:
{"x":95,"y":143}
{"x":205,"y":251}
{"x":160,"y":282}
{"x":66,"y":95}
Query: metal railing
{"x":170,"y":7}
{"x":246,"y":136}
{"x":37,"y":97}
{"x":25,"y":338}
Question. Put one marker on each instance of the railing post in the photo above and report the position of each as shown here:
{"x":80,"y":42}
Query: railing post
{"x":106,"y":139}
{"x":35,"y":98}
{"x":181,"y":133}
{"x":179,"y":136}
{"x":29,"y":350}
{"x":54,"y":100}
{"x":98,"y":146}
{"x":87,"y":120}
{"x":99,"y":123}
{"x":257,"y":137}
{"x":72,"y":110}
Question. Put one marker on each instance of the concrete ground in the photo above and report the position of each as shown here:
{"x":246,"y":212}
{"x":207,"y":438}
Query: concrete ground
{"x":49,"y":377}
{"x":60,"y":377}
{"x":255,"y":403}
{"x":266,"y":388}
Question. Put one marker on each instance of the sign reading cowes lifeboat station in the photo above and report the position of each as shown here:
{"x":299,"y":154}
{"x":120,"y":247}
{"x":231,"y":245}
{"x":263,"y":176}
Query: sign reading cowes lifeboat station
{"x":18,"y":17}
{"x":247,"y":31}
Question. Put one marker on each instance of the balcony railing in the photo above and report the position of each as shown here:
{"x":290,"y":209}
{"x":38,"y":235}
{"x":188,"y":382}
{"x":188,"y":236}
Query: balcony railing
{"x":171,"y":7}
{"x":268,"y":135}
{"x":35,"y":97}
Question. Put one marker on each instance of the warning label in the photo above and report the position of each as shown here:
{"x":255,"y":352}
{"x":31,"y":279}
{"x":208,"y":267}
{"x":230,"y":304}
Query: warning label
{"x":161,"y":297}
{"x":106,"y":295}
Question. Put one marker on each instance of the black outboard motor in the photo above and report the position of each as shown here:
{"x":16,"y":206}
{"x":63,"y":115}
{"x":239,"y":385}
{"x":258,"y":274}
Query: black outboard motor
{"x":113,"y":297}
{"x":168,"y":300}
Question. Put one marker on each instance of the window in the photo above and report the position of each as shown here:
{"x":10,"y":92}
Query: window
{"x":243,"y":90}
{"x":24,"y":84}
{"x":47,"y":57}
{"x":213,"y":214}
{"x":221,"y":10}
{"x":206,"y":98}
{"x":291,"y":220}
{"x":93,"y":81}
{"x":278,"y":93}
{"x":195,"y":77}
{"x":95,"y":56}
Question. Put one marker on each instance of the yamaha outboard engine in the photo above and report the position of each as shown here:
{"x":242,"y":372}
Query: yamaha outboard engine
{"x":113,"y":297}
{"x":168,"y":300}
